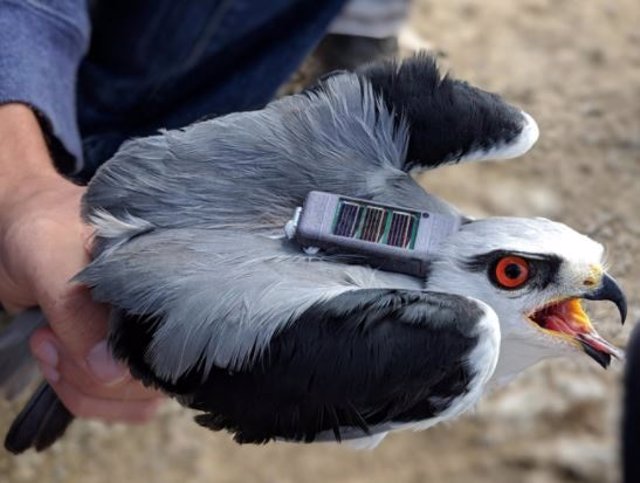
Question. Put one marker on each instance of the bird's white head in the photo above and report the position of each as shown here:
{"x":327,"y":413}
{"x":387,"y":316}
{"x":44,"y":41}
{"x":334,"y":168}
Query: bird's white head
{"x":533,"y":272}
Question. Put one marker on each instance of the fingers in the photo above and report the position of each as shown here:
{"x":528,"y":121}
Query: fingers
{"x":77,"y":320}
{"x":97,"y":388}
{"x":74,"y":357}
{"x":99,"y":375}
{"x":49,"y":251}
{"x":44,"y":244}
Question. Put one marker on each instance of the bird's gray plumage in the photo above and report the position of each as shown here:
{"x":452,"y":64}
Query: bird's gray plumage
{"x":230,"y":282}
{"x":213,"y":304}
{"x":258,"y":167}
{"x":224,"y":293}
{"x":253,"y":168}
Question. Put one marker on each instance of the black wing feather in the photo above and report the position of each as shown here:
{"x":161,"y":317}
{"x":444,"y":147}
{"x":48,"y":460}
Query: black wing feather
{"x":41,"y":422}
{"x":358,"y":360}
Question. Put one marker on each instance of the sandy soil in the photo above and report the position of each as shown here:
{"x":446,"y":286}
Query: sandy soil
{"x":575,"y":66}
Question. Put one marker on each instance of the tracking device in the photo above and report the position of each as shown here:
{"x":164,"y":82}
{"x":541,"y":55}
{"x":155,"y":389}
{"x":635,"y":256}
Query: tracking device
{"x":383,"y":236}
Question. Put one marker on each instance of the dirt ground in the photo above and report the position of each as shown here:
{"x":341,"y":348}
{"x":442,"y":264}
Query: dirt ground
{"x":575,"y":66}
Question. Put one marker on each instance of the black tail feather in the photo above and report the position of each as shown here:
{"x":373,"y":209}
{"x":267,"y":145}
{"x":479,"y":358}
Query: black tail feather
{"x":42,"y":421}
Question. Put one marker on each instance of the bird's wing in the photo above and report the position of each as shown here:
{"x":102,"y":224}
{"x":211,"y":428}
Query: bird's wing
{"x":290,"y":347}
{"x":355,"y":134}
{"x":357,"y":365}
{"x":450,"y":121}
{"x":219,"y":294}
{"x":252,"y":169}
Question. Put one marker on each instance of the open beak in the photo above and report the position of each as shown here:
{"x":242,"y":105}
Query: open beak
{"x":610,"y":290}
{"x":567,"y":319}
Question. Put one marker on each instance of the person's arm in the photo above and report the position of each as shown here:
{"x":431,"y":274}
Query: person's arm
{"x":42,"y":246}
{"x":43,"y":43}
{"x":42,"y":238}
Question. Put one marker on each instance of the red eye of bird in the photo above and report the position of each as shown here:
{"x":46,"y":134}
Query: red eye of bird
{"x":512,"y":272}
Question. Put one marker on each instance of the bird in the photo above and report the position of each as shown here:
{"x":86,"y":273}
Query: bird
{"x":213,"y":305}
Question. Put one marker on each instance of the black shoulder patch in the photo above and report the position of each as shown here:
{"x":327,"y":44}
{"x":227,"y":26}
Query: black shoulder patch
{"x":448,"y":118}
{"x":357,"y":360}
{"x":360,"y":359}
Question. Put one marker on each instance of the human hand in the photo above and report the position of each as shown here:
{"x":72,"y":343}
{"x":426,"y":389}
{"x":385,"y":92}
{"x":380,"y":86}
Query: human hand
{"x":43,"y":244}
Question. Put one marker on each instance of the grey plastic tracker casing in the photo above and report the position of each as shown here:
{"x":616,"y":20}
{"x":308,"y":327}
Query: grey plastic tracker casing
{"x":314,"y":228}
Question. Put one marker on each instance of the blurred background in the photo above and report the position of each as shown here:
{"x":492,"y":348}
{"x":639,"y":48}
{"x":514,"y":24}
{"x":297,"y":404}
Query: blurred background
{"x":575,"y":66}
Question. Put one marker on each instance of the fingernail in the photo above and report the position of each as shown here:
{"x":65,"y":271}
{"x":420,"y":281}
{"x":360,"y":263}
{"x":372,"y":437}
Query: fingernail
{"x":49,"y":373}
{"x":46,"y":353}
{"x":104,"y":366}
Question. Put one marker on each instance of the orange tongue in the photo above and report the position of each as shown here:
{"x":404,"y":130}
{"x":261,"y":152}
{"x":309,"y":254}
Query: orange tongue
{"x":568,"y":317}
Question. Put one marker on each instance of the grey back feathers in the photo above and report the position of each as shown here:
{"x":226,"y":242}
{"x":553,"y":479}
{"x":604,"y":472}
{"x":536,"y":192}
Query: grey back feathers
{"x":204,"y":197}
{"x":221,"y":294}
{"x":250,"y":169}
{"x":184,"y":218}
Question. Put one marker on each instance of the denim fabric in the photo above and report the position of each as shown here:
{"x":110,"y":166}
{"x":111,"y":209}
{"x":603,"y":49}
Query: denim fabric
{"x":167,"y":63}
{"x":41,"y":44}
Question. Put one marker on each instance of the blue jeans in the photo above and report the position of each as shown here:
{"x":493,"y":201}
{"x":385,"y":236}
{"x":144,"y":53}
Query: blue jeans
{"x":164,"y":63}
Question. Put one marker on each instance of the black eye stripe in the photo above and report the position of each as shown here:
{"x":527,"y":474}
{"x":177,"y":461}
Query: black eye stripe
{"x":543,"y":268}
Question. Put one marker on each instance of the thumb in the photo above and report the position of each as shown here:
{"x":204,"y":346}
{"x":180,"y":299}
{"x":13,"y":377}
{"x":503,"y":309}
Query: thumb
{"x":104,"y":367}
{"x":98,"y":364}
{"x":78,"y":321}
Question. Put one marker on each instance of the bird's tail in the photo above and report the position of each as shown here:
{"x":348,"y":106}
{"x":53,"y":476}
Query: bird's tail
{"x":17,"y":367}
{"x":40,"y":423}
{"x":44,"y":419}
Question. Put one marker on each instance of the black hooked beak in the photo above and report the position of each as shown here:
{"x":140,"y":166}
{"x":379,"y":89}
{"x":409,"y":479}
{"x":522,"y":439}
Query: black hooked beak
{"x":610,"y":290}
